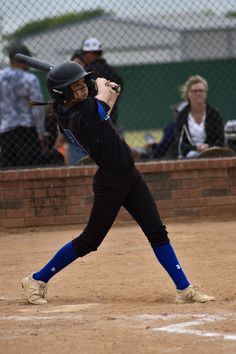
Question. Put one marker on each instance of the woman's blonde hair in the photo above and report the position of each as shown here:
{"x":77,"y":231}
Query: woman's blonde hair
{"x":192,"y":80}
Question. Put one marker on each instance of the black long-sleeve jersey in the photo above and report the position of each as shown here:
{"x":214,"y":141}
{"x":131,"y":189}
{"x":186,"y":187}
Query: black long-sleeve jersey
{"x":87,"y":124}
{"x":100,"y":68}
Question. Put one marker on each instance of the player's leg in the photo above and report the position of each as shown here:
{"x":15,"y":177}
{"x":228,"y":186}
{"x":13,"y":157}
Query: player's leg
{"x":141,"y":206}
{"x":35,"y":285}
{"x":108,"y":198}
{"x":109,"y":194}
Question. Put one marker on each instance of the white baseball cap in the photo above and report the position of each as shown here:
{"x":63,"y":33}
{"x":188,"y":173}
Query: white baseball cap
{"x":91,"y":45}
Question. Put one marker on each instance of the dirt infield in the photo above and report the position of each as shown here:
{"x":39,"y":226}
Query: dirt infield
{"x":119,"y":300}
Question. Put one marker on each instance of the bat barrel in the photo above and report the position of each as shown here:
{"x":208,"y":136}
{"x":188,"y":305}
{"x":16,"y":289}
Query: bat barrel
{"x":34,"y":63}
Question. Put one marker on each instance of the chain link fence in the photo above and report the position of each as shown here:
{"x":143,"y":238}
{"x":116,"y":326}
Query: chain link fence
{"x":155,"y":47}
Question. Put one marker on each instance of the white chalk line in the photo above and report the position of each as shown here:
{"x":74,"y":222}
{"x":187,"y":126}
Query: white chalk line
{"x":182,"y":328}
{"x":67,"y":312}
{"x":60,"y":308}
{"x":179,"y":328}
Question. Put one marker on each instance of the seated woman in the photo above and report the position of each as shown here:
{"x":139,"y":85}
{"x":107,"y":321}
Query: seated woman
{"x":199,"y":126}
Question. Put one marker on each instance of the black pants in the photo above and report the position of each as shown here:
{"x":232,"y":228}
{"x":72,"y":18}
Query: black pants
{"x":111,"y":191}
{"x":20,"y":147}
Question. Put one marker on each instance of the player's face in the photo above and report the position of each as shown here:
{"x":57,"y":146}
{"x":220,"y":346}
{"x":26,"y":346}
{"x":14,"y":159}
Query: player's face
{"x":80,"y":89}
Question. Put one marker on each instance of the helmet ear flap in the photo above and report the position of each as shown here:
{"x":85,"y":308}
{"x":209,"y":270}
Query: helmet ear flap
{"x":62,"y":95}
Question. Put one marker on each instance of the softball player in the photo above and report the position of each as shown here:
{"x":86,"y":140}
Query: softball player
{"x":84,"y":119}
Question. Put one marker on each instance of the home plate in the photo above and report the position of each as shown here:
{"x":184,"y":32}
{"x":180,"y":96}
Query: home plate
{"x":61,"y":308}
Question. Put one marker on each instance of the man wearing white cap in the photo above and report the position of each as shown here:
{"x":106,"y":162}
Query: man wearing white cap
{"x":93,"y":59}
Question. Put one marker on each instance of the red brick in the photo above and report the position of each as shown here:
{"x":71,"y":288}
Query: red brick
{"x":53,"y":192}
{"x":11,"y":185}
{"x":49,"y":211}
{"x":191,"y":203}
{"x":70,"y":219}
{"x":227,"y":200}
{"x":197,"y":188}
{"x":186,"y":193}
{"x":214,"y":173}
{"x":76,"y":210}
{"x":232,"y":172}
{"x":13,"y":222}
{"x":215,"y":192}
{"x":213,"y":182}
{"x":183,"y":212}
{"x":185,"y":174}
{"x":2,"y":214}
{"x":20,"y":213}
{"x":39,"y":193}
{"x":191,"y":183}
{"x":40,"y":221}
{"x":11,"y":204}
{"x":13,"y":194}
{"x":218,"y":211}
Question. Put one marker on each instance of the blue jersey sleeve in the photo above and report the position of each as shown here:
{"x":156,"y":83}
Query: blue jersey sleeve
{"x":103,"y":108}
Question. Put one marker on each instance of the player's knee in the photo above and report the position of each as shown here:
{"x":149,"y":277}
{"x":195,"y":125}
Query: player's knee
{"x":158,"y":236}
{"x":83,"y":245}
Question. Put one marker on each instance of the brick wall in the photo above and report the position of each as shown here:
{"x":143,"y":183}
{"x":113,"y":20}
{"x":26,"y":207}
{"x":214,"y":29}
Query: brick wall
{"x":63,"y":196}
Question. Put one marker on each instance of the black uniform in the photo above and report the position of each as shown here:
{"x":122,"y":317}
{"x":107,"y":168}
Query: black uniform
{"x":116,"y":183}
{"x":101,"y":68}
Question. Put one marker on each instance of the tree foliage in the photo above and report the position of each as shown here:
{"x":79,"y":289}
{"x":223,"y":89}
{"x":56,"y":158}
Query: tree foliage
{"x":49,"y":23}
{"x":231,"y":14}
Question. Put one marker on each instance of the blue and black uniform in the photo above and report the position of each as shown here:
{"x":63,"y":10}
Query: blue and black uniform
{"x":116,"y":183}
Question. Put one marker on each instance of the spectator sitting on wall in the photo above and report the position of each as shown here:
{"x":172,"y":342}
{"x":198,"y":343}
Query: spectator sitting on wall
{"x":166,"y":147}
{"x":199,"y":126}
{"x":21,"y":126}
{"x":93,"y":59}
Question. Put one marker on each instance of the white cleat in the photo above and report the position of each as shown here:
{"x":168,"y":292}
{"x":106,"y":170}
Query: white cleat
{"x":36,"y":290}
{"x":192,"y":294}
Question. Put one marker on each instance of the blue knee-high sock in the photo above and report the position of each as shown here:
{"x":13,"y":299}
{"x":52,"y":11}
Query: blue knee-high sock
{"x":66,"y":255}
{"x":167,"y":257}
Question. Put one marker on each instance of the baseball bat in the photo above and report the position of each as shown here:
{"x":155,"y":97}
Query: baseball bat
{"x":34,"y":63}
{"x":43,"y":66}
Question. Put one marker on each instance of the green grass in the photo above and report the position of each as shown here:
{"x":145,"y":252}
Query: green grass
{"x":135,"y":138}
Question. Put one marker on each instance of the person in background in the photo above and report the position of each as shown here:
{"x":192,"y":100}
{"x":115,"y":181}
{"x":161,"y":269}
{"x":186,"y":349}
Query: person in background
{"x":77,"y":57}
{"x":166,"y":147}
{"x":21,"y":126}
{"x":199,"y":126}
{"x":51,"y":154}
{"x":94,"y":61}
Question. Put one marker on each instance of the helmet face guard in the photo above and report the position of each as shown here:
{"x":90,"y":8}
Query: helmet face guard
{"x":60,"y":77}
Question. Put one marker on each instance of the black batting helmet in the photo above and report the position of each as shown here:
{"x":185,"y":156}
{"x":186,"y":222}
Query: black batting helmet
{"x":60,"y":77}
